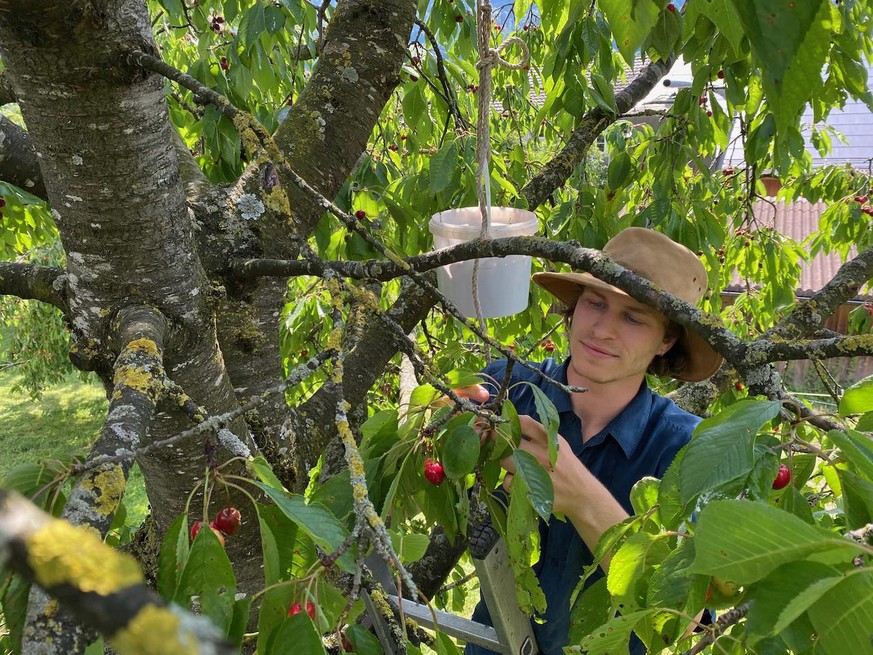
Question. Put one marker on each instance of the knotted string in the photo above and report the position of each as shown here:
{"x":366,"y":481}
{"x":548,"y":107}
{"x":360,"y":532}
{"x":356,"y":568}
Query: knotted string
{"x":488,"y":57}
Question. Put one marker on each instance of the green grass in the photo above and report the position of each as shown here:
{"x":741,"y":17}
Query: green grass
{"x":64,"y":421}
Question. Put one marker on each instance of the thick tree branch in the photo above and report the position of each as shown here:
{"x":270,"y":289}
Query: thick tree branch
{"x":138,"y":382}
{"x":99,"y":585}
{"x":587,"y":259}
{"x":761,"y":351}
{"x":559,"y":169}
{"x":19,"y":164}
{"x":34,"y":282}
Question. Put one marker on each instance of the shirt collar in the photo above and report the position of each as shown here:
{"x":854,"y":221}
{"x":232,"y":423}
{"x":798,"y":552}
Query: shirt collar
{"x":626,"y":428}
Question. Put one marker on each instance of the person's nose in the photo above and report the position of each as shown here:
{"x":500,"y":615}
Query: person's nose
{"x":605,"y":325}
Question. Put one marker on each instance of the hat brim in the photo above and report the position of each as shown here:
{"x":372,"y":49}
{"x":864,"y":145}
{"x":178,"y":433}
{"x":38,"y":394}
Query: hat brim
{"x":703,"y":361}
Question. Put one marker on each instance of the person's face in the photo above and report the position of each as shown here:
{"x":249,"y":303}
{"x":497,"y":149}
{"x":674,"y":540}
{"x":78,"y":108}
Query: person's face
{"x":613,"y":337}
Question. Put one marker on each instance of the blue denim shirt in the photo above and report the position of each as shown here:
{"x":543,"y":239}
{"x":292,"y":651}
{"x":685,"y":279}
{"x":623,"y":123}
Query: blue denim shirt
{"x":641,"y":441}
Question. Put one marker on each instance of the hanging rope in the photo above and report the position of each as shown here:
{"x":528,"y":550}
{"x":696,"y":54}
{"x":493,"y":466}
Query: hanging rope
{"x":488,"y":57}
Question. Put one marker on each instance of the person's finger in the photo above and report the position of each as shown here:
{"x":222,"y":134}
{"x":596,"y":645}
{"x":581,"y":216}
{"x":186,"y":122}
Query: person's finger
{"x":475,"y":392}
{"x":507,"y":481}
{"x":532,"y":429}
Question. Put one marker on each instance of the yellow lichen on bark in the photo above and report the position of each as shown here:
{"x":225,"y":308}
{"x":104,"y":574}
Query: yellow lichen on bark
{"x":130,"y":375}
{"x":109,"y":486}
{"x":277,"y":200}
{"x":59,"y":553}
{"x":155,"y":631}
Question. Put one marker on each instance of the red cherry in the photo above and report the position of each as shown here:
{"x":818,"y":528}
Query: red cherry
{"x":739,"y":386}
{"x":709,"y":113}
{"x":783,"y":477}
{"x":671,"y":8}
{"x":297,"y":607}
{"x":228,"y":520}
{"x":393,"y":147}
{"x":360,"y":214}
{"x":2,"y":202}
{"x":433,"y":471}
{"x":548,"y":345}
{"x":413,"y":78}
{"x":223,"y":63}
{"x":459,"y":18}
{"x":720,"y":75}
{"x":859,"y":199}
{"x":195,"y":529}
{"x":867,"y":210}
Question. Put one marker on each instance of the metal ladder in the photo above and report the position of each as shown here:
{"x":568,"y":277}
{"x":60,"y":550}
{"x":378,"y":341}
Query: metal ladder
{"x":511,"y":634}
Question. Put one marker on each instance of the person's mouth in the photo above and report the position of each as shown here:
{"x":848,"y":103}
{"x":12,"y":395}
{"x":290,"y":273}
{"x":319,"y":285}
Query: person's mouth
{"x":596,"y":351}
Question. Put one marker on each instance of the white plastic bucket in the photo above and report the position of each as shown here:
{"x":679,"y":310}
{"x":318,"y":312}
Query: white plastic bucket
{"x":503,"y":282}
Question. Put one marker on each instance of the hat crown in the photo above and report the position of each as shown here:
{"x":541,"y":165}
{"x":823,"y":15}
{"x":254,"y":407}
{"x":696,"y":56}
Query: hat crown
{"x":668,"y":265}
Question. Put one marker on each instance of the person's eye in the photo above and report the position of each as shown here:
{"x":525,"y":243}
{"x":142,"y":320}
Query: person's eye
{"x":596,"y":304}
{"x":633,"y":320}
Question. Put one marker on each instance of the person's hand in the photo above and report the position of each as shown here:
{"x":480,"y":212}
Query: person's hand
{"x":567,"y":475}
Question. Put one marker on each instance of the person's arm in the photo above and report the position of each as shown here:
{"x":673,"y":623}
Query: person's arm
{"x":579,"y":496}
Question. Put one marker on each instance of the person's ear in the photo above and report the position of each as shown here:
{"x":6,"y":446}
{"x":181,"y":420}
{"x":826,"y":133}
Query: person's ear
{"x":666,"y":345}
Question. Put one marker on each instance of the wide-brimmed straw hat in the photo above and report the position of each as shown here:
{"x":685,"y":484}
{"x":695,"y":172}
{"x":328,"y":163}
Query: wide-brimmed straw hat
{"x":668,"y":265}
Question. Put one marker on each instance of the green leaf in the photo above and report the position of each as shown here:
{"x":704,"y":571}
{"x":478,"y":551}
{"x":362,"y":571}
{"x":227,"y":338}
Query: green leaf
{"x":252,"y":25}
{"x":297,"y":635}
{"x":724,"y":16}
{"x":14,"y":603}
{"x":787,"y":593}
{"x":790,"y":42}
{"x":363,"y":641}
{"x":270,"y":551}
{"x":857,"y":499}
{"x":409,"y":547}
{"x":549,"y":418}
{"x":644,"y":496}
{"x":261,"y":468}
{"x":173,"y":556}
{"x":521,"y":524}
{"x":631,"y":565}
{"x":240,"y":621}
{"x":843,"y":616}
{"x":619,"y":171}
{"x":445,"y":646}
{"x":857,"y":448}
{"x":590,"y":611}
{"x":316,"y":521}
{"x":209,"y":576}
{"x":603,"y":93}
{"x":722,"y":448}
{"x":442,"y":167}
{"x":631,"y":23}
{"x":742,"y":541}
{"x":460,"y":451}
{"x":612,"y":637}
{"x":538,"y":482}
{"x":858,"y":398}
{"x":379,"y":433}
{"x":671,"y":584}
